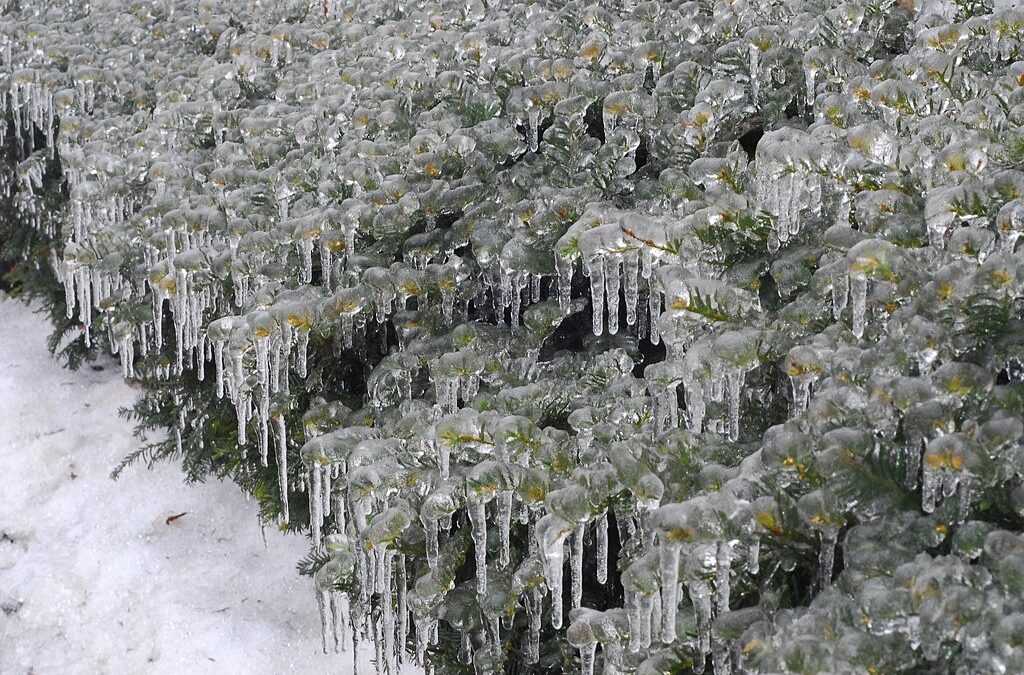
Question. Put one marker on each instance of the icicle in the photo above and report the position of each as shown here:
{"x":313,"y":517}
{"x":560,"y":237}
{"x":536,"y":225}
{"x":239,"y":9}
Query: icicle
{"x":587,"y":658}
{"x":810,"y":73}
{"x":517,"y":302}
{"x":723,"y":569}
{"x":430,"y":528}
{"x":447,"y":305}
{"x":444,"y":461}
{"x":533,"y":122}
{"x":754,"y":556}
{"x":218,"y":353}
{"x":654,"y":603}
{"x":347,"y":329}
{"x":382,"y":307}
{"x":69,"y":293}
{"x":323,"y":604}
{"x":533,"y":638}
{"x":654,"y":302}
{"x":612,"y":264}
{"x":963,"y":509}
{"x":377,"y":624}
{"x":238,"y":375}
{"x":388,"y":614}
{"x":470,"y":386}
{"x":608,"y":121}
{"x":564,"y":268}
{"x":630,"y":285}
{"x":447,"y":394}
{"x":263,"y":438}
{"x":576,"y":565}
{"x":243,"y":417}
{"x":827,"y":555}
{"x":801,"y":393}
{"x":754,"y":71}
{"x":647,"y":604}
{"x":504,"y":526}
{"x":466,"y":649}
{"x":840,"y":294}
{"x":325,"y":263}
{"x":423,"y":630}
{"x":338,"y":622}
{"x":668,"y":553}
{"x":695,"y":404}
{"x":734,"y":384}
{"x":949,"y":484}
{"x":551,"y":541}
{"x":282,"y":466}
{"x":327,"y":489}
{"x":340,"y":500}
{"x":316,"y":503}
{"x":378,"y":554}
{"x":858,"y":301}
{"x":477,"y":509}
{"x":843,"y":212}
{"x":275,"y":368}
{"x":403,"y":609}
{"x":201,"y":355}
{"x":789,"y":220}
{"x":126,"y":351}
{"x":915,"y":445}
{"x":931,"y":480}
{"x":634,"y":610}
{"x":356,"y":658}
{"x":300,"y":360}
{"x":721,"y":658}
{"x":602,"y":548}
{"x":626,"y":526}
{"x":597,"y":294}
{"x":700,"y":596}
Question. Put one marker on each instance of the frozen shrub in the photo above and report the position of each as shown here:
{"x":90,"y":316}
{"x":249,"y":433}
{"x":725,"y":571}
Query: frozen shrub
{"x":646,"y":336}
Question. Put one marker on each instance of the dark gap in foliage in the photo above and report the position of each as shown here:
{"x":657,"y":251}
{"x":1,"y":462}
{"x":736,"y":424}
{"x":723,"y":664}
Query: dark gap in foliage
{"x":768,"y":292}
{"x":642,"y":153}
{"x":748,"y":141}
{"x":793,"y":110}
{"x":446,"y":219}
{"x":649,"y":353}
{"x":544,"y":124}
{"x":594,"y":120}
{"x":317,"y":276}
{"x":568,"y":336}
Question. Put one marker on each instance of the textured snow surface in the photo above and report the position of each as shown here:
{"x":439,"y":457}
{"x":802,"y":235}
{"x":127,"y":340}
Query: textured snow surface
{"x":92,"y":577}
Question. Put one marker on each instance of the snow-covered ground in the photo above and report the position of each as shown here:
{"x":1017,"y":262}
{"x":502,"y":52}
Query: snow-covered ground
{"x":93,"y":576}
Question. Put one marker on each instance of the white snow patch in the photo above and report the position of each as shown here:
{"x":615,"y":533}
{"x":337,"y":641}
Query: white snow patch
{"x":92,"y":577}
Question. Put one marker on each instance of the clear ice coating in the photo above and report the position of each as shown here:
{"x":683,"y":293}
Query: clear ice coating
{"x":542,"y":304}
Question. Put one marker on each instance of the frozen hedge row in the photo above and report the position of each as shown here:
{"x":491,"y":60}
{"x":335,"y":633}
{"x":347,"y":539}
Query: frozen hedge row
{"x":631,"y":336}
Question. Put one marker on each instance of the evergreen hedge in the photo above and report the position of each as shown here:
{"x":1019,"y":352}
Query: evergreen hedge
{"x":647,"y":336}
